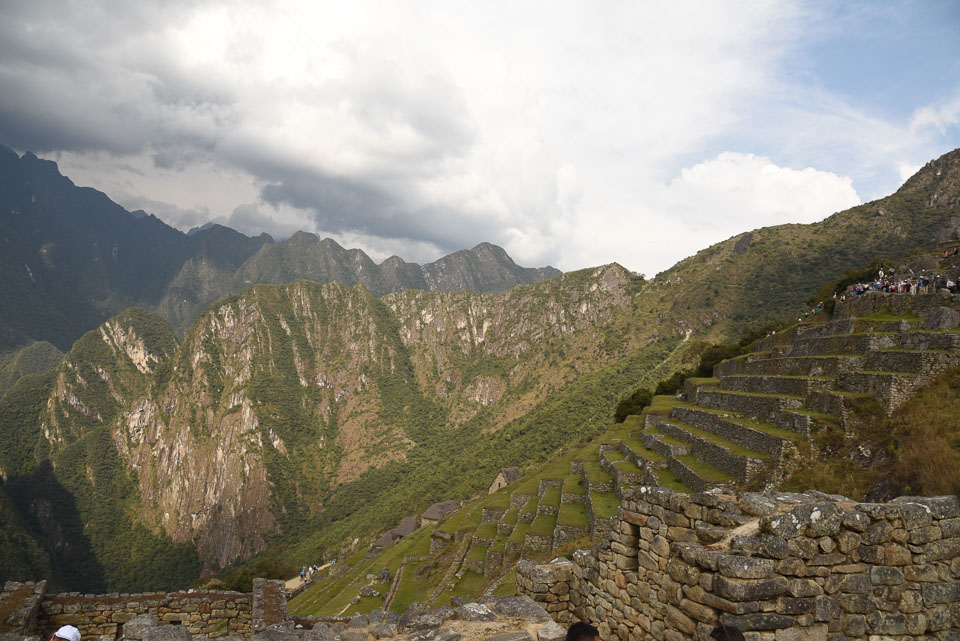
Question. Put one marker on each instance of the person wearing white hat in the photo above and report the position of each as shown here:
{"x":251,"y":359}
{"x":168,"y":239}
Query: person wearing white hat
{"x":66,"y":633}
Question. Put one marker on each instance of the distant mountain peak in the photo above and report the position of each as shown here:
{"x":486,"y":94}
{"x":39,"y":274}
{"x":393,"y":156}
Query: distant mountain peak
{"x":197,"y":229}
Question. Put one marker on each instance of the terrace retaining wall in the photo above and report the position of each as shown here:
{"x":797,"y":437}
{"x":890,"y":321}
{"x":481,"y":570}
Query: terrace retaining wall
{"x":781,"y":567}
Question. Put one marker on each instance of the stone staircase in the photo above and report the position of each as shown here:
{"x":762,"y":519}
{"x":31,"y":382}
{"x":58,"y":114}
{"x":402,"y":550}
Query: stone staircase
{"x":747,"y":422}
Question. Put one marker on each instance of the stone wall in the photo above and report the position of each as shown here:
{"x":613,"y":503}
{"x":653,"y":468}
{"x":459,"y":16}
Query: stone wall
{"x":19,"y":606}
{"x":782,"y":567}
{"x":518,"y":500}
{"x":209,"y":613}
{"x":28,"y":611}
{"x":439,"y":540}
{"x":549,"y":585}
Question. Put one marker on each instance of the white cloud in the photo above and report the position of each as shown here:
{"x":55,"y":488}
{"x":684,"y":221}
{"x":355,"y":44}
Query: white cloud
{"x":559,"y":130}
{"x":906,"y":169}
{"x":711,"y":201}
{"x":743,"y":191}
{"x":940,"y":117}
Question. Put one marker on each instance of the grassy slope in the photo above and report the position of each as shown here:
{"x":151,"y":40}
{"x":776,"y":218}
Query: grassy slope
{"x":916,"y":451}
{"x":721,"y":291}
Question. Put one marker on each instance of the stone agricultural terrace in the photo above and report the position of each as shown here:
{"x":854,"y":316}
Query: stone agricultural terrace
{"x":748,"y":421}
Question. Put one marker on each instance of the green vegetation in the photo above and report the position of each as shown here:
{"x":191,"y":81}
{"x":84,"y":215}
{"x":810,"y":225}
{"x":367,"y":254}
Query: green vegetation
{"x":551,"y":497}
{"x":573,"y":484}
{"x":530,"y":507}
{"x":508,"y":586}
{"x":34,"y":358}
{"x":518,"y":534}
{"x":632,"y":404}
{"x":926,"y":435}
{"x":671,"y":481}
{"x":364,"y":409}
{"x":595,"y":473}
{"x":477,"y":552}
{"x":543,"y":525}
{"x":605,"y":504}
{"x":922,"y":438}
{"x":574,"y":515}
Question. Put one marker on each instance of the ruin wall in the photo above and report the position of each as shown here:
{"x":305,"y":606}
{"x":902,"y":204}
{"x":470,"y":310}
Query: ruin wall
{"x":781,"y":567}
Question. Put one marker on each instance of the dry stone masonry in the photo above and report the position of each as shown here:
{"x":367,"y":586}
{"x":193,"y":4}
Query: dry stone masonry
{"x":28,"y":611}
{"x":782,"y":567}
{"x":208,"y":613}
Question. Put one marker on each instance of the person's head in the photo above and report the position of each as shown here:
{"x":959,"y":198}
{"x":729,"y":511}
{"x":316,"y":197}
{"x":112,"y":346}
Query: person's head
{"x":726,"y":633}
{"x":581,"y":631}
{"x":66,"y":633}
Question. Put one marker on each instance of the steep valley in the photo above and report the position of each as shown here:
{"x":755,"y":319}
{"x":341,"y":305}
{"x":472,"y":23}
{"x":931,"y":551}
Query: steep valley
{"x":294,"y":419}
{"x":288,"y":408}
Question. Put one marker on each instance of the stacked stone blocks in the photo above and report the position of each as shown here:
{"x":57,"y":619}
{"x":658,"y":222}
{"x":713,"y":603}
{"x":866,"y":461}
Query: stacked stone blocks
{"x":782,"y":567}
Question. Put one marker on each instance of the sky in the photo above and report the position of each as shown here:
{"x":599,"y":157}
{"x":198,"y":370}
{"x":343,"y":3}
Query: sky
{"x":572,"y":134}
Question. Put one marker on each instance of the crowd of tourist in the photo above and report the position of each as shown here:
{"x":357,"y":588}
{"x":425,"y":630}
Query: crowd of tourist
{"x":908,"y":283}
{"x":891,"y":282}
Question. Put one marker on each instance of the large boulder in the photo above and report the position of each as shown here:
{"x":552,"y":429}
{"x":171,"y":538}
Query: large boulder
{"x":275,"y":633}
{"x":166,"y":633}
{"x":474,"y":612}
{"x":553,"y":631}
{"x":425,"y":620}
{"x":133,"y":629}
{"x":521,"y":607}
{"x":943,"y":318}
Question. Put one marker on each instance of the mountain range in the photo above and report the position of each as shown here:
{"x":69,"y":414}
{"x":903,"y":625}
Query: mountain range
{"x":291,"y":418}
{"x":72,"y":258}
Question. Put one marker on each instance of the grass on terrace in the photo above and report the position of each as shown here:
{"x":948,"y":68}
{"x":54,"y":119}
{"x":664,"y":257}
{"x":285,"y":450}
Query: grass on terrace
{"x":671,"y":481}
{"x":596,"y":474}
{"x":417,"y":582}
{"x":637,"y":447}
{"x":605,"y":504}
{"x":477,"y":553}
{"x":613,"y":455}
{"x":508,"y":585}
{"x":551,"y":497}
{"x":543,"y":525}
{"x":573,"y":484}
{"x":627,"y":466}
{"x":573,"y":515}
{"x":518,"y":534}
{"x":330,"y":595}
{"x":704,"y":471}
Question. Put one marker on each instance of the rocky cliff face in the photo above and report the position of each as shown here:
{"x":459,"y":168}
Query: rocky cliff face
{"x":280,"y":396}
